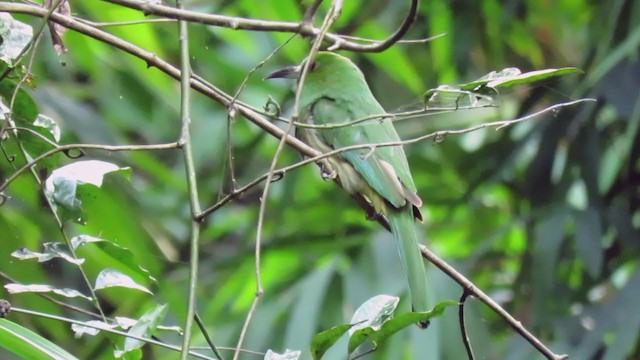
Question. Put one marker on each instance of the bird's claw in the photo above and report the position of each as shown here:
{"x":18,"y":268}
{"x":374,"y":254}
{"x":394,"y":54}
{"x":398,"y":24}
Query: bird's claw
{"x":329,"y":176}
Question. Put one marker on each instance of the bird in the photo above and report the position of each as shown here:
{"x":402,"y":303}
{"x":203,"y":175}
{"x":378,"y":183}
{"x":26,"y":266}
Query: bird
{"x":335,"y":92}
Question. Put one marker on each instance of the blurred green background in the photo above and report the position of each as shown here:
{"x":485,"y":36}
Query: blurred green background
{"x":543,"y":215}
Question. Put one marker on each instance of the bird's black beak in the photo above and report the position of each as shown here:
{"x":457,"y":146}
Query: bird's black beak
{"x":289,"y":72}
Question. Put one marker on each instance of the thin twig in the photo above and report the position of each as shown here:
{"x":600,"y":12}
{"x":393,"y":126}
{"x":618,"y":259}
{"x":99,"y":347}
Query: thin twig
{"x":54,"y":300}
{"x":197,"y":83}
{"x":126,"y":23}
{"x":239,"y":23}
{"x":108,"y":330}
{"x":33,"y":45}
{"x":63,"y":148}
{"x":329,"y":18}
{"x":245,"y":326}
{"x":152,"y":60}
{"x":185,"y":145}
{"x":407,"y":41}
{"x":437,"y":136}
{"x":476,"y":292}
{"x":463,"y":327}
{"x":232,"y":110}
{"x":411,"y":114}
{"x":207,"y":338}
{"x":228,"y":348}
{"x":311,"y":12}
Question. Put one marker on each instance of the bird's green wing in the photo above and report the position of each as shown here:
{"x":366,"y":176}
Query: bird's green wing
{"x":384,"y":132}
{"x":375,"y":166}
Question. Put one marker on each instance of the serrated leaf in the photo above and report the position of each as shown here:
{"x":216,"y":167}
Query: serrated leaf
{"x":512,"y":76}
{"x":43,"y":288}
{"x":394,"y":325}
{"x":287,"y":355}
{"x":28,"y":345}
{"x":51,"y":250}
{"x":113,"y":278}
{"x":15,"y":37}
{"x":324,"y":340}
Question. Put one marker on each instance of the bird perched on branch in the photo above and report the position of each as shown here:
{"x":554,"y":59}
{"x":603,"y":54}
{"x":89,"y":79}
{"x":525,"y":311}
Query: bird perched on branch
{"x":335,"y":94}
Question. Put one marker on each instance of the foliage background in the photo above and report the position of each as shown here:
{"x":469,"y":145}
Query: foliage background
{"x":543,"y":215}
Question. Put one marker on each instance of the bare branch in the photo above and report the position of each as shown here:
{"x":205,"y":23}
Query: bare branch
{"x":328,"y":20}
{"x":463,"y":327}
{"x":197,"y":83}
{"x":63,"y":148}
{"x":479,"y":294}
{"x":108,"y":330}
{"x":304,"y":28}
{"x":437,"y":137}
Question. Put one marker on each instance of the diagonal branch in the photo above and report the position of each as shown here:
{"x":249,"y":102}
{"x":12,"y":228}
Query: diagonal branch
{"x":470,"y":288}
{"x":196,"y":82}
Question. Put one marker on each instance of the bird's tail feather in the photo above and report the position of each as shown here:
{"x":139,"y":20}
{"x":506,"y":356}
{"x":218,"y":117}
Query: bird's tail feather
{"x":404,"y":229}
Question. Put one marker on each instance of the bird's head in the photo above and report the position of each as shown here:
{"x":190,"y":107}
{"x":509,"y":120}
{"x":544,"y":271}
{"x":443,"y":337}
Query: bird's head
{"x":329,"y":75}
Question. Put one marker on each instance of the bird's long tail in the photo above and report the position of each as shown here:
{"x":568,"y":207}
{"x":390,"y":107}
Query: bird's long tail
{"x":404,"y":229}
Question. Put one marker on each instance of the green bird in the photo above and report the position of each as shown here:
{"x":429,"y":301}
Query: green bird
{"x":334,"y":92}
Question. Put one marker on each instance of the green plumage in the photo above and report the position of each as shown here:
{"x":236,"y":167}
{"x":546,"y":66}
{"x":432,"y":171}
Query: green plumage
{"x":336,"y":92}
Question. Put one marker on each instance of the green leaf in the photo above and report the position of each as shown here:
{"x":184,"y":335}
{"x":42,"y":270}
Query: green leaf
{"x":24,"y":108}
{"x":513,"y":76}
{"x":287,"y":355}
{"x":374,"y":312}
{"x":548,"y":241}
{"x":92,"y":329}
{"x":29,"y":345}
{"x":589,"y":241}
{"x":113,"y":278}
{"x":72,"y":187}
{"x":455,"y":98}
{"x":144,"y":327}
{"x":43,"y":288}
{"x":15,"y":37}
{"x":324,"y":340}
{"x":394,"y":325}
{"x":52,"y":250}
{"x":52,"y":130}
{"x":121,"y":254}
{"x":44,"y":135}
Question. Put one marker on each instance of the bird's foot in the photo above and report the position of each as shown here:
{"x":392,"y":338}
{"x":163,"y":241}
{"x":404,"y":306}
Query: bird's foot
{"x":329,"y":176}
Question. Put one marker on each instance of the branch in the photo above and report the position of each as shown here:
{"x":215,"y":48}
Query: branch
{"x":470,"y":288}
{"x":463,"y":327}
{"x":192,"y":184}
{"x":196,"y":83}
{"x":437,"y":137}
{"x":65,"y":148}
{"x":303,"y":28}
{"x":154,"y":61}
{"x":108,"y":330}
{"x":328,"y":20}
